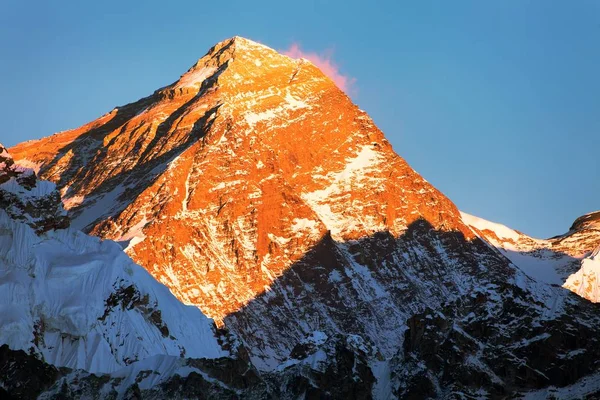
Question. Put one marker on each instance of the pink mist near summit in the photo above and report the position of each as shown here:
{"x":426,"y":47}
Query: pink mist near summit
{"x":325,"y":63}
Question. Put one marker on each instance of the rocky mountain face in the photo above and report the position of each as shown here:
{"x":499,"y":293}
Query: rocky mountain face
{"x":257,"y":191}
{"x":25,"y":198}
{"x":219,"y":183}
{"x":80,"y":320}
{"x":333,"y":371}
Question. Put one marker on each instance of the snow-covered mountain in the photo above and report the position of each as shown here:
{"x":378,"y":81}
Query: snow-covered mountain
{"x":77,"y":301}
{"x":252,"y":162}
{"x":586,"y":281}
{"x":257,"y":191}
{"x":565,"y":260}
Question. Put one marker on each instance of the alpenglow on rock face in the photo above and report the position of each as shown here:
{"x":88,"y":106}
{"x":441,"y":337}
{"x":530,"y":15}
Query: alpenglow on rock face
{"x":220,"y":181}
{"x":256,"y":190}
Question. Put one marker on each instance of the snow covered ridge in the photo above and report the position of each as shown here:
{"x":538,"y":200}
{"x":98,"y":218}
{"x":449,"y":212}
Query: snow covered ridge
{"x":80,"y":302}
{"x":586,"y":281}
{"x":77,"y":301}
{"x":501,"y":231}
{"x":566,"y":260}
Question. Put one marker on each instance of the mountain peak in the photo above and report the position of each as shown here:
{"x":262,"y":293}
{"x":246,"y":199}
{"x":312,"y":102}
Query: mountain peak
{"x":243,"y":42}
{"x":6,"y":160}
{"x":587,"y":221}
{"x":237,"y":65}
{"x":261,"y":152}
{"x":235,"y":46}
{"x":257,"y":191}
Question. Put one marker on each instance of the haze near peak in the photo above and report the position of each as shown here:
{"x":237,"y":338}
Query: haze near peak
{"x":326,"y":64}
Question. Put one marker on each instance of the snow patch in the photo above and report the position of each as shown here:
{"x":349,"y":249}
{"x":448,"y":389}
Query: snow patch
{"x":301,"y":226}
{"x":72,"y":202}
{"x":195,"y":77}
{"x":281,"y":111}
{"x":354,"y":175}
{"x":586,"y":281}
{"x":134,"y":235}
{"x":28,"y":164}
{"x":502,"y":231}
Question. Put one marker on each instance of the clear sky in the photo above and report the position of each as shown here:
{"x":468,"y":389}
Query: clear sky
{"x":497,"y":103}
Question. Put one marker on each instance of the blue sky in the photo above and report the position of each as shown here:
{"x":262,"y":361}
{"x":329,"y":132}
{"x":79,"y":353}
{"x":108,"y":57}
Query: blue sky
{"x":497,"y":103}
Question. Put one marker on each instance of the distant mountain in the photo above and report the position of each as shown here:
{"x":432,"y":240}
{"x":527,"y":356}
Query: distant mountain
{"x":562,"y":260}
{"x":257,"y":191}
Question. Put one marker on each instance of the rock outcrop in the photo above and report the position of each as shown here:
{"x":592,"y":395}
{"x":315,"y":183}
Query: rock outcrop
{"x":28,"y":199}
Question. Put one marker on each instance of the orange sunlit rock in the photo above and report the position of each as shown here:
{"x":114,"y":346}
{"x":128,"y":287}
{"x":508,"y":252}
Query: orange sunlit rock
{"x":218,"y":182}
